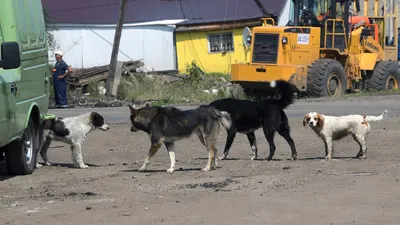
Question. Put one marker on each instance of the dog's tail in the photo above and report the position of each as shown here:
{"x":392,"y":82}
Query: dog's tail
{"x":284,"y":92}
{"x":225,"y":119}
{"x":376,"y":118}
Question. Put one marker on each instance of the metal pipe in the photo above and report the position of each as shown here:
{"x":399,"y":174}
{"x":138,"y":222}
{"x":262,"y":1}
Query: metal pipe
{"x":296,"y":12}
{"x":346,"y":17}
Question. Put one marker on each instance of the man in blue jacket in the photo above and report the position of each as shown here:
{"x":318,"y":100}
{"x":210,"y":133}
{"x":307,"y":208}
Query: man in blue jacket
{"x":60,"y":71}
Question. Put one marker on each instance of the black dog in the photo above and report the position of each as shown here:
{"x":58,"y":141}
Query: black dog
{"x":248,"y":116}
{"x":165,"y":125}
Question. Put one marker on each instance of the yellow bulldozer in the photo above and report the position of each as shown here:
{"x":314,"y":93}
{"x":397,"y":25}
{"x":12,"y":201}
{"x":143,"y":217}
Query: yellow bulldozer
{"x":328,"y":49}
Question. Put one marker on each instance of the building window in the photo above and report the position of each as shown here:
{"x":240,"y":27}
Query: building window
{"x":220,"y":43}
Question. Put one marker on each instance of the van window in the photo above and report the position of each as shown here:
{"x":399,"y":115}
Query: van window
{"x":32,"y":22}
{"x":22,"y":21}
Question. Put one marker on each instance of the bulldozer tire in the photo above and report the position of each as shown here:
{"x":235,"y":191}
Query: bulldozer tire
{"x":385,"y":76}
{"x":326,"y":78}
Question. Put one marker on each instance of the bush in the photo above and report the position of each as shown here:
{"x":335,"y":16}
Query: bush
{"x":191,"y":89}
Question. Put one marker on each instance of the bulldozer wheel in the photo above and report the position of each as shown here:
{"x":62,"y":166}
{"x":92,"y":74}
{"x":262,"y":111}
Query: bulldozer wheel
{"x":386,"y":76}
{"x":326,"y":77}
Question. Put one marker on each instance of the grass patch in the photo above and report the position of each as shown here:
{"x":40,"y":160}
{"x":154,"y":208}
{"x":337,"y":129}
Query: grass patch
{"x":373,"y":93}
{"x":185,"y":91}
{"x":93,"y":90}
{"x":191,"y":89}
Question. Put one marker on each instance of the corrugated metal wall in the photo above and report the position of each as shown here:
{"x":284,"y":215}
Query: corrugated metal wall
{"x":86,"y":47}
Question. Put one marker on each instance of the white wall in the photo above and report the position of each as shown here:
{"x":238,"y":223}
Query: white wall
{"x":86,"y":47}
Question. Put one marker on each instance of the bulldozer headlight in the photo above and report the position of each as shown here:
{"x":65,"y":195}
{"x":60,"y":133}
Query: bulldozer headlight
{"x":284,"y":40}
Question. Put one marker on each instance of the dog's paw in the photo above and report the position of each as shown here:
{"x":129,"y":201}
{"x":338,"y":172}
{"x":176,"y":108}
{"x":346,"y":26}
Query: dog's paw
{"x":83,"y":166}
{"x":47,"y":163}
{"x":328,"y":157}
{"x":222,"y":157}
{"x":294,"y":157}
{"x":170,"y":170}
{"x":142,"y":169}
{"x":206,"y":169}
{"x":38,"y":165}
{"x":254,"y":157}
{"x":215,"y":164}
{"x":362,"y":156}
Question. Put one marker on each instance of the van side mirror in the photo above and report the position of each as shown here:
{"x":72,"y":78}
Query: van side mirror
{"x":10,"y":57}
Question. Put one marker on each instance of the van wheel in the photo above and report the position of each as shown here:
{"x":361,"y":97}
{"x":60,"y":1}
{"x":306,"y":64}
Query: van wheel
{"x":385,"y":76}
{"x":326,"y":78}
{"x":21,"y":154}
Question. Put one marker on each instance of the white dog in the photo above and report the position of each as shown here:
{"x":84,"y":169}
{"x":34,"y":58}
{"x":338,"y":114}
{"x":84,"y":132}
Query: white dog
{"x":73,"y":131}
{"x":331,"y":128}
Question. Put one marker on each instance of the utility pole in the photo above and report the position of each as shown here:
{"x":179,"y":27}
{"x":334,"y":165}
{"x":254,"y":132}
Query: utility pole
{"x":114,"y":54}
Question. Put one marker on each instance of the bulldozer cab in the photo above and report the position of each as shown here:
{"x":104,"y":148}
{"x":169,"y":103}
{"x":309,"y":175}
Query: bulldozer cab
{"x":338,"y":18}
{"x":331,"y":16}
{"x":316,"y":12}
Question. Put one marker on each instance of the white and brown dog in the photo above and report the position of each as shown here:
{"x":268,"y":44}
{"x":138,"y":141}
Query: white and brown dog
{"x":331,"y":128}
{"x":72,"y":131}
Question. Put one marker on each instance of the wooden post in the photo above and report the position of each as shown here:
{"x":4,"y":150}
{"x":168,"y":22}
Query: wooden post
{"x":117,"y":78}
{"x":114,"y":54}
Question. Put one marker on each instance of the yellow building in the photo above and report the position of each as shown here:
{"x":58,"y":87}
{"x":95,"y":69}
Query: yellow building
{"x":212,"y":32}
{"x":213,"y":47}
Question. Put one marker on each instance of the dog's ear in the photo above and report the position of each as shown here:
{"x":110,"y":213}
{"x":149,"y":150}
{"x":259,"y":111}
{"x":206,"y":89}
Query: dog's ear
{"x":133,"y":110}
{"x":277,"y":95}
{"x":147,"y":105}
{"x":320,"y":120}
{"x":96,"y":119}
{"x":305,"y":119}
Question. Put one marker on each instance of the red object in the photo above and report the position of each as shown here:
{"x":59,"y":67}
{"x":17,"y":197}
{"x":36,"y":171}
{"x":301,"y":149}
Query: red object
{"x":356,"y":19}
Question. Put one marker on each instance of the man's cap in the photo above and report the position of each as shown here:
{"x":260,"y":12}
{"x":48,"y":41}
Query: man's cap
{"x":58,"y":53}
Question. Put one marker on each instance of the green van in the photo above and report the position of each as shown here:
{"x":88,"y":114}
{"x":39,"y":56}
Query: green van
{"x":24,"y":83}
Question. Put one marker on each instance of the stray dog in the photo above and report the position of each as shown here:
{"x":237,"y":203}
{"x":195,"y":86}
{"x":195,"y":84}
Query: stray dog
{"x":169,"y":124}
{"x":72,"y":131}
{"x":248,"y":116}
{"x":330,"y":128}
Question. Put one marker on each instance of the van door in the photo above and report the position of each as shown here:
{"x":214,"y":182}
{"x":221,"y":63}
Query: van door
{"x":8,"y":90}
{"x":3,"y":108}
{"x":7,"y":105}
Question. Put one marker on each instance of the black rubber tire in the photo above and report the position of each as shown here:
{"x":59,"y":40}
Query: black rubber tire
{"x":318,"y":74}
{"x":16,"y":156}
{"x":383,"y":72}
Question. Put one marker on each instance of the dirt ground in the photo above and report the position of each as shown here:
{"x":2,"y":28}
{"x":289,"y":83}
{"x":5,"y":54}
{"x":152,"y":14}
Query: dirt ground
{"x":310,"y":190}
